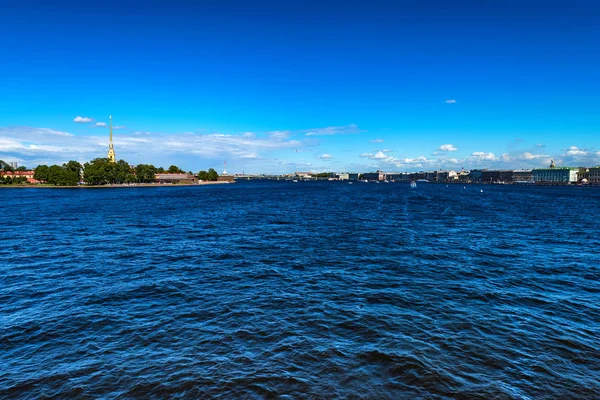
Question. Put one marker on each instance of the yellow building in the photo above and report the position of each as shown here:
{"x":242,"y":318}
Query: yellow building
{"x":112,"y":157}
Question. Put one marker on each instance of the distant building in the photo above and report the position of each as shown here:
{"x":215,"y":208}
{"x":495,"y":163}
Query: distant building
{"x":594,"y":175}
{"x":522,"y":175}
{"x":583,"y":175}
{"x":464,"y":176}
{"x":20,"y":174}
{"x":441,"y":176}
{"x":306,"y":175}
{"x":176,"y":178}
{"x":374,"y":176}
{"x":393,"y":176}
{"x":555,"y":174}
{"x":226,"y":178}
{"x":348,"y":176}
{"x":496,"y":176}
{"x":476,"y":175}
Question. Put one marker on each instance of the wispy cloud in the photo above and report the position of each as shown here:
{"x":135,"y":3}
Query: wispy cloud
{"x":101,"y":124}
{"x":279,"y":135}
{"x":43,"y":145}
{"x":334,"y":130}
{"x":450,"y":101}
{"x":82,"y":120}
{"x":530,"y":156}
{"x":325,"y":157}
{"x":119,"y":127}
{"x":377,"y":141}
{"x":447,"y":147}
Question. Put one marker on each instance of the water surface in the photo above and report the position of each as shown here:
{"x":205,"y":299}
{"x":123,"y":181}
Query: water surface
{"x":320,"y":290}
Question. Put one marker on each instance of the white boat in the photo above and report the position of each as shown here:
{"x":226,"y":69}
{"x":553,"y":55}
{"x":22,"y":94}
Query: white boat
{"x":413,"y":184}
{"x":295,"y":181}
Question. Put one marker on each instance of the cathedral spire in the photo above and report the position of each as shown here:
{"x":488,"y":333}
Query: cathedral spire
{"x":111,"y":150}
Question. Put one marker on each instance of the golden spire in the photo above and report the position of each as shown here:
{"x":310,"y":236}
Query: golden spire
{"x":111,"y":150}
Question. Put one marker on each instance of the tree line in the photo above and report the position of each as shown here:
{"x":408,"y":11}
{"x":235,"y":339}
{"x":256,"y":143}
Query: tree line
{"x":210,"y":175}
{"x":99,"y":171}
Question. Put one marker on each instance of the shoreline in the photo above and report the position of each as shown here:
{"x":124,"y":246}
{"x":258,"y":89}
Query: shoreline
{"x":112,"y":186}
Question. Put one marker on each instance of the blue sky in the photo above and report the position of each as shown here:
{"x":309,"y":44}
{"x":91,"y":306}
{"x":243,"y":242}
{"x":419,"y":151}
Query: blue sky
{"x":303,"y":85}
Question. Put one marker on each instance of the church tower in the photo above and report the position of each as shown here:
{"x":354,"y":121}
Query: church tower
{"x":111,"y":149}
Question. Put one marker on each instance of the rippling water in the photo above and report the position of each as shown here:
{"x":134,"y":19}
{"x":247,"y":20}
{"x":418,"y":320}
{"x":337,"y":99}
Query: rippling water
{"x":299,"y":290}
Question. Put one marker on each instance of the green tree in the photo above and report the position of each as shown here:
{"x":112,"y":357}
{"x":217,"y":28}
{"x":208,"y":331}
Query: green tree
{"x":212,"y":175}
{"x":100,"y":171}
{"x":61,"y":176}
{"x":73,"y":166}
{"x":203,"y":175}
{"x":145,"y":173}
{"x":124,"y":172}
{"x":4,"y":166}
{"x":160,"y":170}
{"x":41,"y":173}
{"x":21,"y":168}
{"x":174,"y":169}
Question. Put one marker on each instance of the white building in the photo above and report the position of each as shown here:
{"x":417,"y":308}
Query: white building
{"x":556,"y":174}
{"x":595,"y":175}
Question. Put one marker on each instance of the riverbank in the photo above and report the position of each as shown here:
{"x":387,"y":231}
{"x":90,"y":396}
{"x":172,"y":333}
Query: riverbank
{"x":135,"y":185}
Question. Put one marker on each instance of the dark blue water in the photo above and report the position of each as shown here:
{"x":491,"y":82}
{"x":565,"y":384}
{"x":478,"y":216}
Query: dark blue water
{"x":300,"y":290}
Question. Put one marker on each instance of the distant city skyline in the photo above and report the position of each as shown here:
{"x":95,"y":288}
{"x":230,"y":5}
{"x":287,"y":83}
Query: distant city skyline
{"x":277,"y":87}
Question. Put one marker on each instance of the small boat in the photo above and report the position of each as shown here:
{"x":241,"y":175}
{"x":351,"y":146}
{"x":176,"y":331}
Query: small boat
{"x":295,"y":181}
{"x":413,"y":184}
{"x":349,"y":183}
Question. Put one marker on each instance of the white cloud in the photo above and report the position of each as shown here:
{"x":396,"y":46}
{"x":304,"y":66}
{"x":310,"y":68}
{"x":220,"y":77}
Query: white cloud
{"x":450,"y":101}
{"x":377,"y":141}
{"x":380,"y":155}
{"x":249,"y":156}
{"x":325,"y":157}
{"x":483,"y":156}
{"x":447,"y":147}
{"x":334,"y":130}
{"x":82,"y":120}
{"x":100,"y":123}
{"x":119,"y":127}
{"x":248,"y":134}
{"x":576,"y":151}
